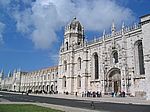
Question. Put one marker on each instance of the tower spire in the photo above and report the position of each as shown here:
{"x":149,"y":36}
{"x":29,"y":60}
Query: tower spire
{"x":113,"y":24}
{"x":123,"y":28}
{"x":9,"y":74}
{"x":104,"y":33}
{"x":2,"y":71}
{"x":123,"y":25}
{"x":1,"y":74}
{"x":113,"y":28}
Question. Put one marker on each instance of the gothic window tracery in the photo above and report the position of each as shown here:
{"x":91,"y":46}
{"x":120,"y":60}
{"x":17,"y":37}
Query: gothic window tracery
{"x":139,"y":58}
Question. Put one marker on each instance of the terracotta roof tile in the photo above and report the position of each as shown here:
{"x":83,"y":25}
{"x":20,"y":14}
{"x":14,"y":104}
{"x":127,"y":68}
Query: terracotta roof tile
{"x":45,"y":69}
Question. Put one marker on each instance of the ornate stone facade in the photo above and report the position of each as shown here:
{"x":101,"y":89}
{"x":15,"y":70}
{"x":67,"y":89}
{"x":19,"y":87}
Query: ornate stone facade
{"x":118,"y":61}
{"x":113,"y":62}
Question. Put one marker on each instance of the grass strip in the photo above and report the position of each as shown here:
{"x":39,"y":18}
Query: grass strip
{"x":25,"y":108}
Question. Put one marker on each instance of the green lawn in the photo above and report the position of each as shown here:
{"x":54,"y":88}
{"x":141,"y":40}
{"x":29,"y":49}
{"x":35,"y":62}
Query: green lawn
{"x":24,"y":108}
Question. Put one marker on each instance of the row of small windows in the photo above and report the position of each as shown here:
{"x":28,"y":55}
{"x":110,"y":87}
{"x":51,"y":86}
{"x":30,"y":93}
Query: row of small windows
{"x":40,"y":77}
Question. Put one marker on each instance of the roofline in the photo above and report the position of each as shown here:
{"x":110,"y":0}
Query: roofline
{"x":145,"y":15}
{"x":44,"y":69}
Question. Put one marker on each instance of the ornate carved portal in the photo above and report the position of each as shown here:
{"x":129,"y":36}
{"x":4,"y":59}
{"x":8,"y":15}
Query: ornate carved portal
{"x":114,"y":81}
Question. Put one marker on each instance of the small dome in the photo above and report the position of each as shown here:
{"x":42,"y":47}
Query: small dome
{"x":74,"y":24}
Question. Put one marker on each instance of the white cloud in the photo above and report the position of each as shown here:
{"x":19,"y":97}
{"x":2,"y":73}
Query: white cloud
{"x":45,"y":17}
{"x":100,"y":13}
{"x":2,"y":26}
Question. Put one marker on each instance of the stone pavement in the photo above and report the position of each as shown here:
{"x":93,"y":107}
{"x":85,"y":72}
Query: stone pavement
{"x":126,"y":100}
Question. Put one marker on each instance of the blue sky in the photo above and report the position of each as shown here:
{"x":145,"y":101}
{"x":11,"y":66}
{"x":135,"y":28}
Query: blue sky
{"x":31,"y":31}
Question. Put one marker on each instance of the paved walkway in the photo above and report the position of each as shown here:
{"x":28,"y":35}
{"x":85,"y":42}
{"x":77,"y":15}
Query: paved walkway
{"x":126,"y":100}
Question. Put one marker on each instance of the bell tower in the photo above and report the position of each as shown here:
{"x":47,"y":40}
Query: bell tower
{"x":74,"y":34}
{"x":73,"y":38}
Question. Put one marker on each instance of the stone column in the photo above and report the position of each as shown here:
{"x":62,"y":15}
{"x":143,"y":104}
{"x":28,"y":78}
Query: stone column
{"x":71,"y":72}
{"x":123,"y":81}
{"x":84,"y":70}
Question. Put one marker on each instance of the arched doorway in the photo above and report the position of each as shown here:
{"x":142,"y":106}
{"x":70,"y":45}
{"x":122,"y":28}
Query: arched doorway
{"x":47,"y":88}
{"x":52,"y":87}
{"x":114,"y":80}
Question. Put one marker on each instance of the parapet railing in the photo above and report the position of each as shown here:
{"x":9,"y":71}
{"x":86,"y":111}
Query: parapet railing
{"x":117,"y":33}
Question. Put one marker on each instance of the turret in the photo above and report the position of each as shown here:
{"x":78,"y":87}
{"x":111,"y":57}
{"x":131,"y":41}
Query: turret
{"x":123,"y":36}
{"x":9,"y":74}
{"x":104,"y":34}
{"x":2,"y":74}
{"x":113,"y":28}
{"x":74,"y":34}
{"x":113,"y":31}
{"x":123,"y":28}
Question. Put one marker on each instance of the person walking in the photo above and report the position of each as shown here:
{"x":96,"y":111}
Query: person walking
{"x":115,"y":94}
{"x":76,"y":94}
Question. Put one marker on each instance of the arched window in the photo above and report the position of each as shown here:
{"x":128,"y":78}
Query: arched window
{"x":67,"y":45}
{"x":141,"y":58}
{"x":48,"y":76}
{"x":44,"y":77}
{"x":53,"y":76}
{"x":79,"y":81}
{"x":64,"y":81}
{"x":79,"y":63}
{"x":115,"y":56}
{"x":96,"y":66}
{"x":65,"y":65}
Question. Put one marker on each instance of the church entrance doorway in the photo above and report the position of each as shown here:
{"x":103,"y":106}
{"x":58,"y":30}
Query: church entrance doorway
{"x":116,"y":86}
{"x":114,"y":81}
